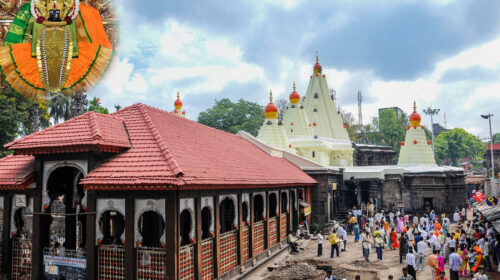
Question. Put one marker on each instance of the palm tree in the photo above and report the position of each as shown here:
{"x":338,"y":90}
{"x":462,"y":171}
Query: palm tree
{"x":59,"y":107}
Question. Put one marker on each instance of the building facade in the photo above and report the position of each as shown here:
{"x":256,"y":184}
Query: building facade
{"x":144,"y":194}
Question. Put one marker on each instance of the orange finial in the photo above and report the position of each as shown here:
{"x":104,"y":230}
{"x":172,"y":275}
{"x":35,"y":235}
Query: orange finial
{"x":178,"y":102}
{"x":271,"y":109}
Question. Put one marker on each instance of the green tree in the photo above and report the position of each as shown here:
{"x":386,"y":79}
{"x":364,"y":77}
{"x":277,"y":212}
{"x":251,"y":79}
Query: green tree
{"x":454,"y":144}
{"x":351,"y":127}
{"x":16,"y":117}
{"x":282,"y":104}
{"x":392,"y":129}
{"x":95,"y":105}
{"x":233,"y":117}
{"x":496,"y":138}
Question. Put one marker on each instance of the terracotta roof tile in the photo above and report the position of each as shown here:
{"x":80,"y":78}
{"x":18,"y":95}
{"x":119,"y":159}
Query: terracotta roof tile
{"x":90,"y":131}
{"x":16,"y":172}
{"x":168,"y":149}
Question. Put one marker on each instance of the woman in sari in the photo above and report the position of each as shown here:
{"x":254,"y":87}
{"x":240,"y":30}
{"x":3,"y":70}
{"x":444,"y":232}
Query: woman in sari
{"x":464,"y":267}
{"x":394,"y":240}
{"x":403,"y":247}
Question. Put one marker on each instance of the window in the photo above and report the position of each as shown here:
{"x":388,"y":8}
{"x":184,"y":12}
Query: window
{"x":313,"y":154}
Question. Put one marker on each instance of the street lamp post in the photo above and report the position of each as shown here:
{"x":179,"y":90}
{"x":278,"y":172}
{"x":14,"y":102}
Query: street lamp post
{"x":491,"y":146}
{"x":430,"y":111}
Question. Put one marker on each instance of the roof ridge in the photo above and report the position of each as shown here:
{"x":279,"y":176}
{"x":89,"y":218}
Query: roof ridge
{"x":172,"y":163}
{"x":94,"y":126}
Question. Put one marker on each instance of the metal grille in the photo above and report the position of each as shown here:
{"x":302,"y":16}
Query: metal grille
{"x":228,"y":251}
{"x":245,"y":252}
{"x":283,"y":229}
{"x":21,"y":259}
{"x":273,"y":232}
{"x":151,"y":263}
{"x":207,"y":264}
{"x":258,"y":235}
{"x":186,"y":263}
{"x":111,"y":262}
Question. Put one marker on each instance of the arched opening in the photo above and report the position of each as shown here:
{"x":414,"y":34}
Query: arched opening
{"x":186,"y":222}
{"x":258,"y":208}
{"x":63,"y":223}
{"x":273,"y":205}
{"x":284,"y":202}
{"x":244,"y":211}
{"x":206,"y":222}
{"x":151,"y":227}
{"x":227,"y":215}
{"x":19,"y":221}
{"x":111,"y":225}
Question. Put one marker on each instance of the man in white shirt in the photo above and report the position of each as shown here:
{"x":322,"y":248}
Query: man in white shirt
{"x":320,"y":244}
{"x":433,"y":241}
{"x":421,"y":250}
{"x":391,"y":218}
{"x":343,"y":234}
{"x":410,"y":262}
{"x":456,"y":217}
{"x":365,"y":241}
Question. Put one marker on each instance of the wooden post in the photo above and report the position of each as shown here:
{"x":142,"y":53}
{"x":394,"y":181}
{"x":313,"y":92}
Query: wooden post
{"x":216,"y":254}
{"x":291,"y":208}
{"x":172,"y":235}
{"x":296,"y":211}
{"x":240,"y":224}
{"x":6,"y":240}
{"x":250,"y":229}
{"x":90,"y":240}
{"x":130,"y":258}
{"x":266,"y":227}
{"x":279,"y":216}
{"x":36,"y":241}
{"x":197,"y":248}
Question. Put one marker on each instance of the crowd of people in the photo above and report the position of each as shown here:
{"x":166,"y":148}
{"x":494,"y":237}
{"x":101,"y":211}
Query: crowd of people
{"x":469,"y":247}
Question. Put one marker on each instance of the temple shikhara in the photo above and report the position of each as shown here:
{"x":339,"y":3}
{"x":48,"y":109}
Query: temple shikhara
{"x":144,"y":193}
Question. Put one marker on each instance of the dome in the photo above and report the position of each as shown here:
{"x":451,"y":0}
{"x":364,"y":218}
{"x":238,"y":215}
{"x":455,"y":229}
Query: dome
{"x":415,"y":117}
{"x":317,"y":67}
{"x":294,"y":96}
{"x":271,"y":109}
{"x":178,"y":102}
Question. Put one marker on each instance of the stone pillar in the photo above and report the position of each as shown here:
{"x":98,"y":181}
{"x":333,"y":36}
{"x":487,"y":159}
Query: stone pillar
{"x":91,"y":272}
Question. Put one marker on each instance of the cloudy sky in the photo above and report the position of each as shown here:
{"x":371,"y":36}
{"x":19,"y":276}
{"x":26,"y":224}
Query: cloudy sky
{"x":444,"y":54}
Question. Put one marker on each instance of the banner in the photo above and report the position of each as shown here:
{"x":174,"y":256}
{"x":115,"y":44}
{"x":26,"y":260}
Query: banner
{"x":479,"y":196}
{"x":64,"y":268}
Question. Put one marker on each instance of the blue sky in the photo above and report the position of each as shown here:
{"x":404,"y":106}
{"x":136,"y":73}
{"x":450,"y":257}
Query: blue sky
{"x":443,"y":54}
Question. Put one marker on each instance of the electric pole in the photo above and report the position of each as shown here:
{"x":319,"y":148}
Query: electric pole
{"x":491,"y":147}
{"x":430,"y":111}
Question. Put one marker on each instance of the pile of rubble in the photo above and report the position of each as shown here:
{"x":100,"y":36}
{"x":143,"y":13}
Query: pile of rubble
{"x":292,"y":271}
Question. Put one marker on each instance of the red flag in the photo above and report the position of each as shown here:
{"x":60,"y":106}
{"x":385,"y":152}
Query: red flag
{"x":479,"y":196}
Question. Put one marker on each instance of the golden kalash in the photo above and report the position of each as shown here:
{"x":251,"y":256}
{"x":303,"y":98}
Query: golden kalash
{"x":55,"y":46}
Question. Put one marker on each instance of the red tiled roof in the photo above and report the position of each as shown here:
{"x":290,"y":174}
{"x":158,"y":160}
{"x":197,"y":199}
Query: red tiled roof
{"x":496,"y":147}
{"x":171,"y":150}
{"x":16,"y":172}
{"x":90,"y":131}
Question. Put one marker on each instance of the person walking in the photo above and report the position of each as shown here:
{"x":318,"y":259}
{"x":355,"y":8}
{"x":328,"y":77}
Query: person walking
{"x":394,"y":240}
{"x":333,"y":241}
{"x":365,"y":242}
{"x":421,"y":250}
{"x":403,"y":247}
{"x":433,"y":263}
{"x":329,"y":276}
{"x":441,"y":276}
{"x":356,"y":233}
{"x":456,"y":218}
{"x":342,"y":233}
{"x":410,"y":263}
{"x":320,"y":244}
{"x":379,"y":244}
{"x":455,"y":263}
